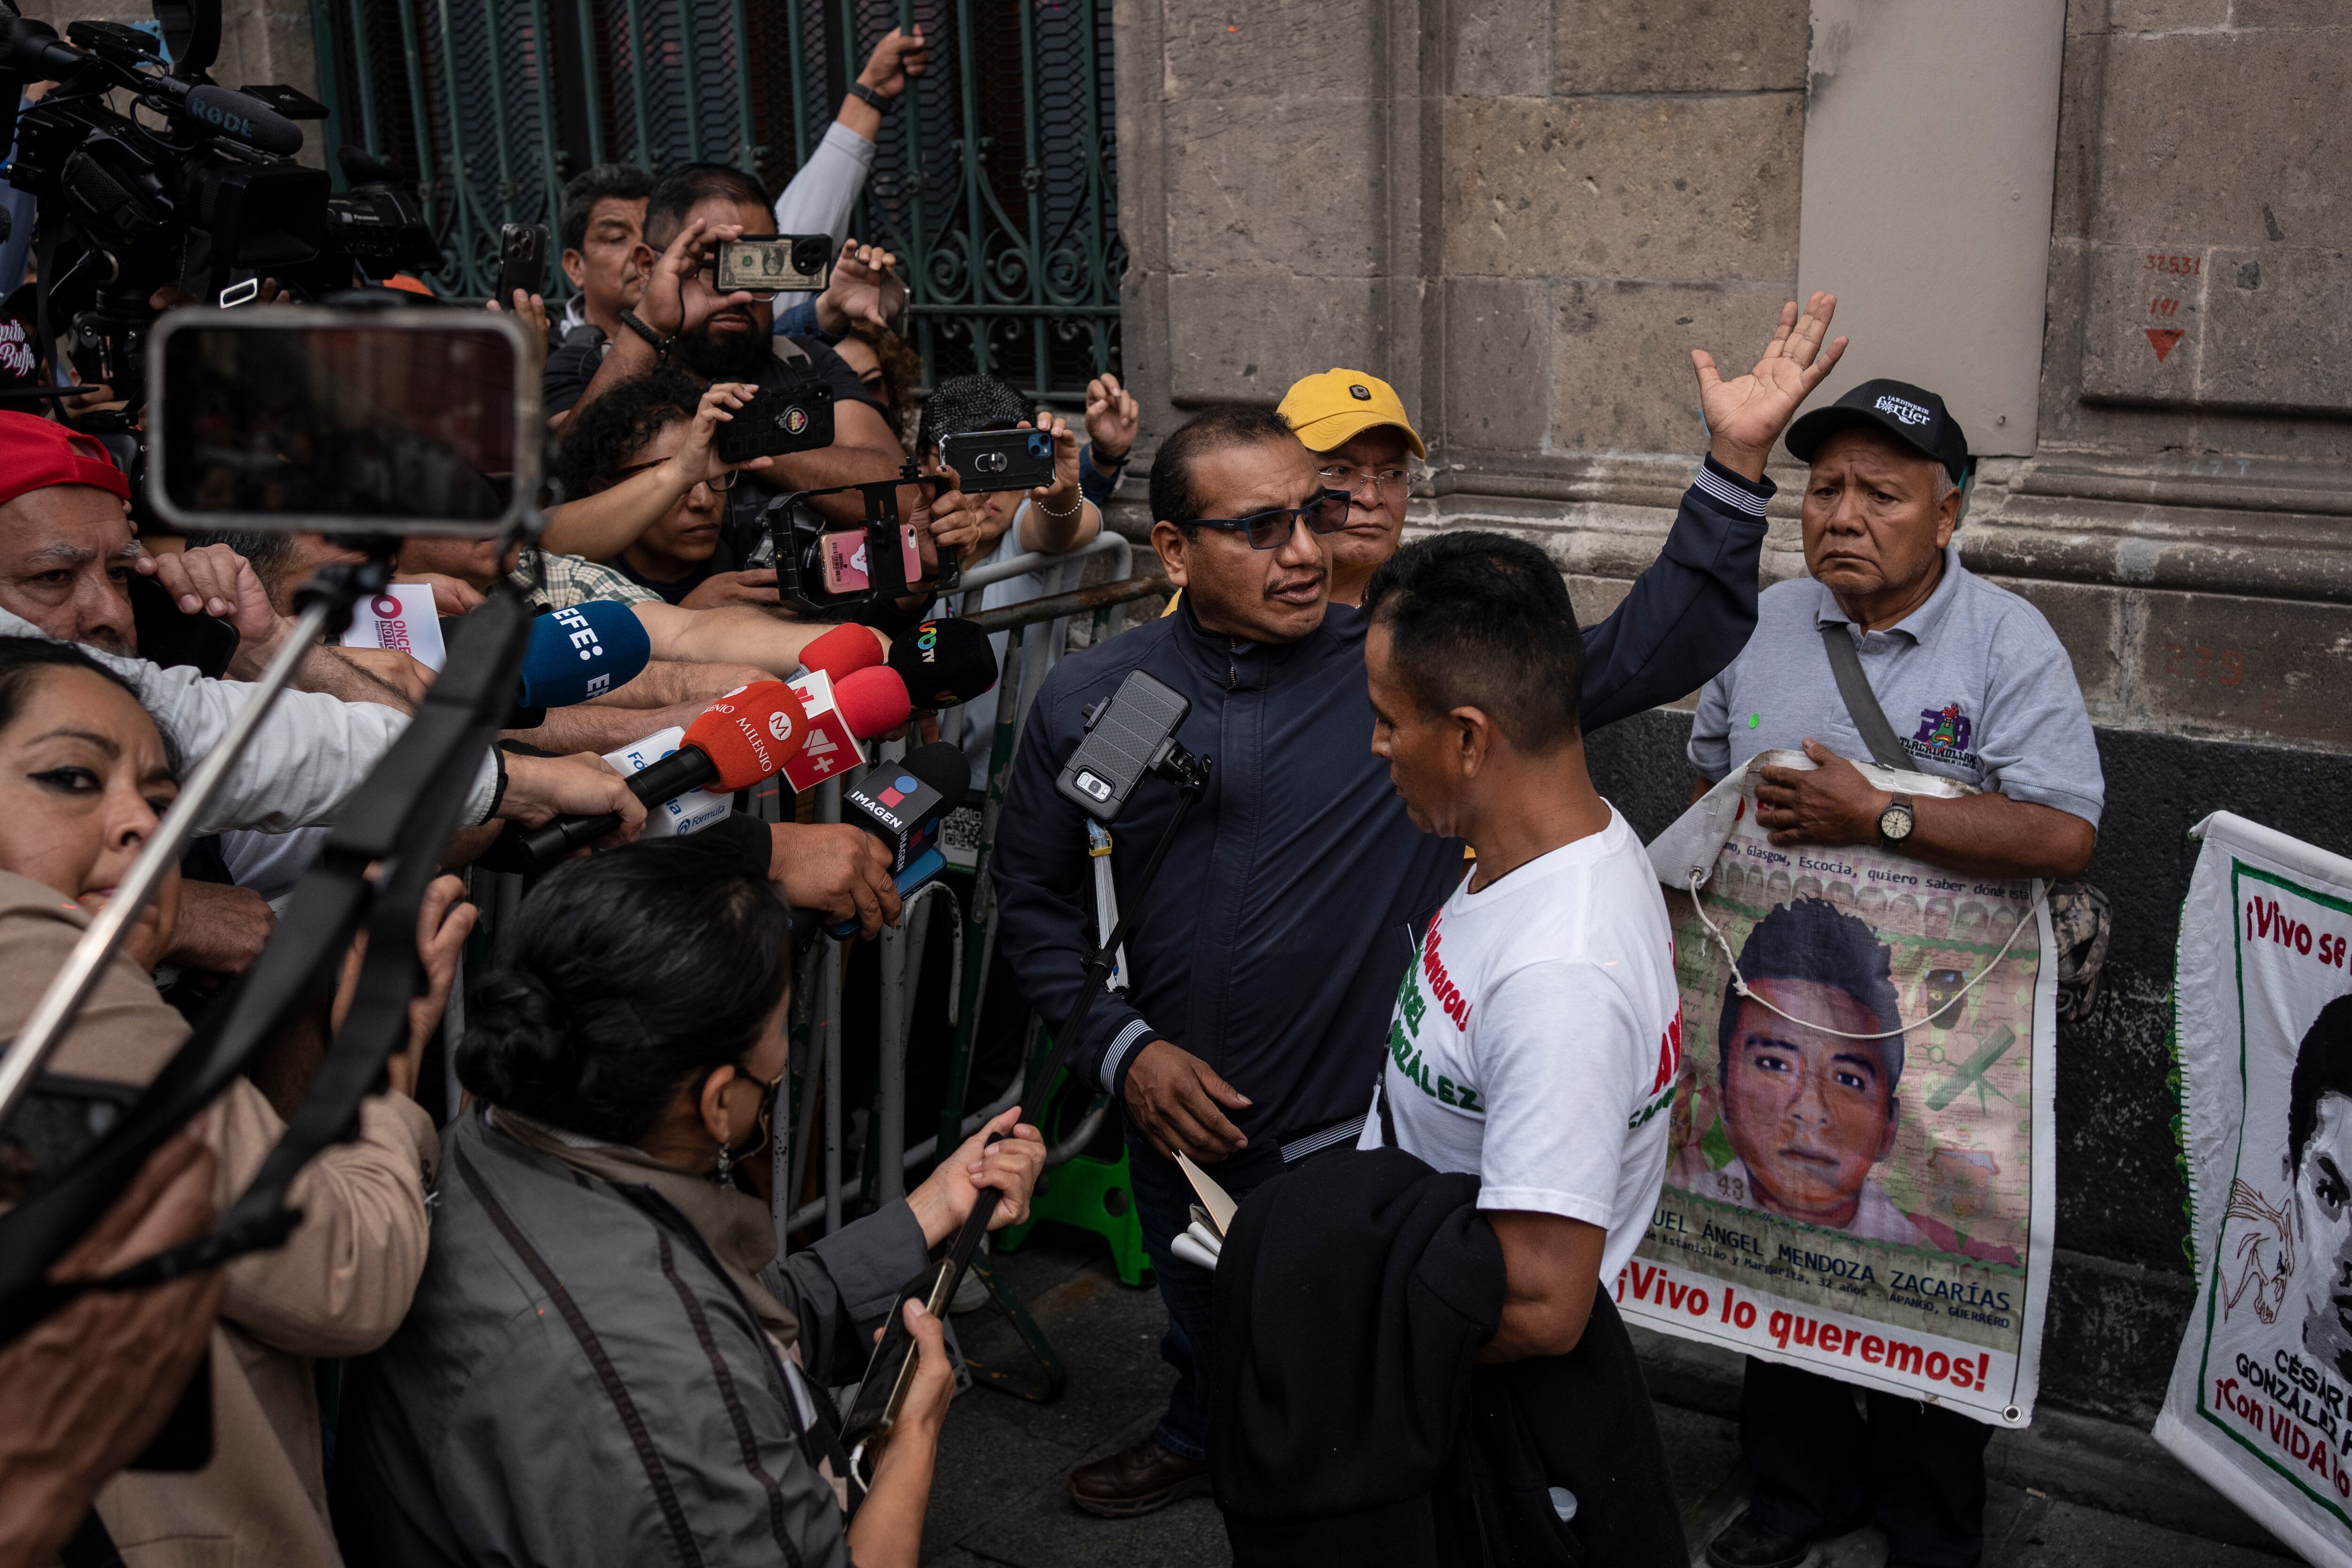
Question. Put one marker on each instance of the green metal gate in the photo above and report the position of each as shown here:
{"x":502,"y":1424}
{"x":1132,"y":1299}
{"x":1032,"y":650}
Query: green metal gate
{"x":996,"y":179}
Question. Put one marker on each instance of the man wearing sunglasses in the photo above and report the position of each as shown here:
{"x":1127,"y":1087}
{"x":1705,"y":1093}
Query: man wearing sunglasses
{"x":1262,"y":967}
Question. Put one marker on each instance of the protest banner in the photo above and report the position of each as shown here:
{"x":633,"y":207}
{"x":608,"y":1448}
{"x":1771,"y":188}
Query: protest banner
{"x":1859,"y":1180}
{"x":2261,"y":1400}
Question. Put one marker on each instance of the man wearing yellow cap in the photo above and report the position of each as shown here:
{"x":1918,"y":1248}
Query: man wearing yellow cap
{"x":1356,"y":427}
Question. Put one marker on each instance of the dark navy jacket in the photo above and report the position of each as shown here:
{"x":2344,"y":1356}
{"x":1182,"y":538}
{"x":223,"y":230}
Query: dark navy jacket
{"x":1273,"y":941}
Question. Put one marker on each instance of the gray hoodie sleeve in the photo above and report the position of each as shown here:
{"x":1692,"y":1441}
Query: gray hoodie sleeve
{"x":840,"y":1288}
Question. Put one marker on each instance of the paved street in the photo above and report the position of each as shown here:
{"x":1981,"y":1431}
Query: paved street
{"x":999,"y":1498}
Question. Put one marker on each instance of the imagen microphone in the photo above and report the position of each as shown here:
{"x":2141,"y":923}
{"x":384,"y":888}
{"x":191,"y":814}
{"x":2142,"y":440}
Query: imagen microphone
{"x":746,"y":736}
{"x":944,"y":662}
{"x":842,"y":652}
{"x":863,"y":704}
{"x":582,"y":652}
{"x":902,"y":803}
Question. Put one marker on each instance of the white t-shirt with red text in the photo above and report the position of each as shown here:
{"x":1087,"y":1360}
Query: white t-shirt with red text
{"x":1535,"y":1041}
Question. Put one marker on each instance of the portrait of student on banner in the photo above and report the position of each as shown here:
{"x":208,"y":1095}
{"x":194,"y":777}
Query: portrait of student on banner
{"x":2261,"y":1399}
{"x":1859,"y":1177}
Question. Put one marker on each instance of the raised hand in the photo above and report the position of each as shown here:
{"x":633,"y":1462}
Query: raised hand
{"x":898,"y":56}
{"x":1747,"y":414}
{"x":1111,"y":419}
{"x":862,"y":289}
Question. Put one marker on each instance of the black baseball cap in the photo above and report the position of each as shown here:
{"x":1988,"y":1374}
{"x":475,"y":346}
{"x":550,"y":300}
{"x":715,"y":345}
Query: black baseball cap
{"x":1912,"y":415}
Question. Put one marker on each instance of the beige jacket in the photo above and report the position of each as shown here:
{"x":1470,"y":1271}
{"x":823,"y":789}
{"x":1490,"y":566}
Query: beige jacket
{"x":339,"y":1287}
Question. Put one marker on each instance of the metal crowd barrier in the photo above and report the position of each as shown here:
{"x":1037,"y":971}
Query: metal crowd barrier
{"x":816,"y":1072}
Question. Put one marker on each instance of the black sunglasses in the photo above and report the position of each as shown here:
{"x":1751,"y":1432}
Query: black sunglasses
{"x":1326,"y":513}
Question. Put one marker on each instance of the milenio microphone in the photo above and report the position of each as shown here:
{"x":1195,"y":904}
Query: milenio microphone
{"x":944,"y":662}
{"x":746,"y":736}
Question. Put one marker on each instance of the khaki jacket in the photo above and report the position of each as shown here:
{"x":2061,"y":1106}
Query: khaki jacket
{"x":339,"y":1287}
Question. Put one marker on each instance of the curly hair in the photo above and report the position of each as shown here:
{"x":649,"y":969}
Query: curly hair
{"x":605,"y":437}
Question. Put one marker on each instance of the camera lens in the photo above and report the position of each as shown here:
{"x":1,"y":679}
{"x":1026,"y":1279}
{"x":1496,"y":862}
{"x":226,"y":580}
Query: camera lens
{"x":1040,"y":444}
{"x":809,"y":254}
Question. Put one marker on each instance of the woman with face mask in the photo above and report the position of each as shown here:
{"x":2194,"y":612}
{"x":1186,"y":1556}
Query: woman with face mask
{"x":84,"y":777}
{"x":606,"y":1362}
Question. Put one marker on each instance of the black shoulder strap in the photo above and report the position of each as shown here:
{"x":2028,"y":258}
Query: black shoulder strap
{"x":793,"y":355}
{"x":1861,"y":702}
{"x":657,"y":1475}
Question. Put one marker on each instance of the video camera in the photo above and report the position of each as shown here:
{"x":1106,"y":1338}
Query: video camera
{"x":205,"y":196}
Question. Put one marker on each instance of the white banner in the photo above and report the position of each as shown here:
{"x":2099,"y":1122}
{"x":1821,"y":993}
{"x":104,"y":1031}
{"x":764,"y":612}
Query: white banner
{"x":2260,"y":1401}
{"x":1861,"y":1178}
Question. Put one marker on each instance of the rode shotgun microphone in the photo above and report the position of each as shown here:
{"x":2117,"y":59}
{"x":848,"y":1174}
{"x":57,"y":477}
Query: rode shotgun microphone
{"x":944,"y":662}
{"x":1143,"y":714}
{"x":746,"y":736}
{"x":901,"y":804}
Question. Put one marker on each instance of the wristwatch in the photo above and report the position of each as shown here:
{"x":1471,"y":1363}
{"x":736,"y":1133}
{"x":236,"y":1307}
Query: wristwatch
{"x":635,"y":324}
{"x":866,"y":95}
{"x":1896,"y":823}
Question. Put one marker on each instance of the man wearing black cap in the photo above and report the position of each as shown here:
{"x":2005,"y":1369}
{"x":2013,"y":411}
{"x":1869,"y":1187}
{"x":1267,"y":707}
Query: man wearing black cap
{"x":1970,"y":683}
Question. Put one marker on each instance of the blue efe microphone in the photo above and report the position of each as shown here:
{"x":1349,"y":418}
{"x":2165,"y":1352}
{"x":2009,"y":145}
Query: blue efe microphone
{"x":582,"y":652}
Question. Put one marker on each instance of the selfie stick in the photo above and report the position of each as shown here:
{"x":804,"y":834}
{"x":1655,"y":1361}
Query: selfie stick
{"x":326,"y":607}
{"x":883,"y":1390}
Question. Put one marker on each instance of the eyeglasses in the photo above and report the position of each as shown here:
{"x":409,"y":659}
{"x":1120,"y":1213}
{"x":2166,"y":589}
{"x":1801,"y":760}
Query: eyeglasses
{"x":1326,"y":514}
{"x":1340,"y":476}
{"x":720,"y":486}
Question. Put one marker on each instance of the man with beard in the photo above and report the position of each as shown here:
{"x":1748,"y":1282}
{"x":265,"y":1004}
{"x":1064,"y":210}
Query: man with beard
{"x":2319,"y":1158}
{"x":683,"y":321}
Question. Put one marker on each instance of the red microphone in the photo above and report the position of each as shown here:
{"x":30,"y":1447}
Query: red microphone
{"x":842,"y":652}
{"x":746,"y":736}
{"x":861,"y":705}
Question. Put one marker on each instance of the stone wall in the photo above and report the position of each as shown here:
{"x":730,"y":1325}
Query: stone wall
{"x":1525,"y":213}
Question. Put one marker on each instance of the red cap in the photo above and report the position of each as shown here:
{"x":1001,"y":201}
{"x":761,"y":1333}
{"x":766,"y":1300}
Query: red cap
{"x":872,"y":702}
{"x":750,"y":734}
{"x":842,"y":651}
{"x":36,"y":453}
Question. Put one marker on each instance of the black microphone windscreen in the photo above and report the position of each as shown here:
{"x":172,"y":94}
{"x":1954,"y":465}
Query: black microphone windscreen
{"x":248,"y":120}
{"x":944,"y":662}
{"x":942,"y":765}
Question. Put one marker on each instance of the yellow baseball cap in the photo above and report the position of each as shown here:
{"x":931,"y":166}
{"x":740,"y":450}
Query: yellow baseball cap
{"x":1329,"y":410}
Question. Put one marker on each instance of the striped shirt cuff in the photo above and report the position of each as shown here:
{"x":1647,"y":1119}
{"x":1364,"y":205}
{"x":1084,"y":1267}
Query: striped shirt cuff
{"x":1314,"y":1142}
{"x":1124,"y":1042}
{"x":1732,"y":491}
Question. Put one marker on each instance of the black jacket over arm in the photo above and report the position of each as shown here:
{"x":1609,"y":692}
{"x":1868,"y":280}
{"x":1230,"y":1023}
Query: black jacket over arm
{"x":1349,"y":1425}
{"x":1284,"y":914}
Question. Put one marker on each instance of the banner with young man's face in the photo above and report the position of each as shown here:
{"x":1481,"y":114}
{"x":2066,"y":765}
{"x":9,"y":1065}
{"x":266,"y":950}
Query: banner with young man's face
{"x":2261,"y":1400}
{"x":1859,"y":1175}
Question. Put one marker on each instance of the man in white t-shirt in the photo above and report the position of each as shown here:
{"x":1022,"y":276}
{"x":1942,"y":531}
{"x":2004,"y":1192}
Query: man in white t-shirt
{"x":1536,"y":1039}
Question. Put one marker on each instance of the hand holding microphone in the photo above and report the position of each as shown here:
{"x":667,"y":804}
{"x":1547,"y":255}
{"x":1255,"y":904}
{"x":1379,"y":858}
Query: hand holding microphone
{"x":741,"y":739}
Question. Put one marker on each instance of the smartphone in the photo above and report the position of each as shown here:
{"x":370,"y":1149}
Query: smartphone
{"x":522,"y":261}
{"x":772,"y":263}
{"x":842,"y":560}
{"x":781,"y":419}
{"x":987,"y":460}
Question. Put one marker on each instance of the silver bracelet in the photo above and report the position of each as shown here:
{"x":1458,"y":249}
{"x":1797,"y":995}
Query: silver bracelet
{"x":1052,"y":516}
